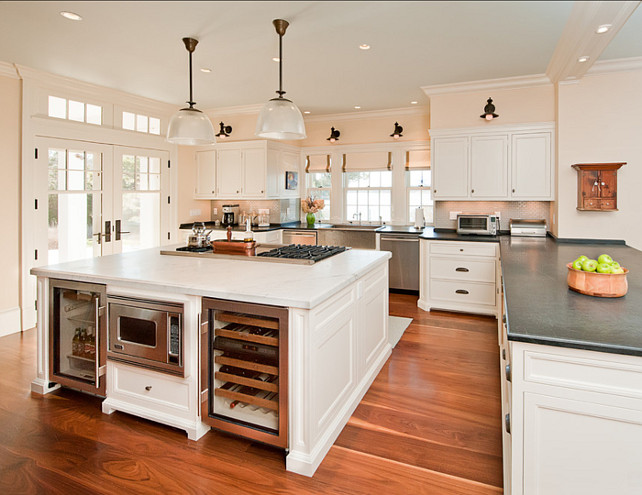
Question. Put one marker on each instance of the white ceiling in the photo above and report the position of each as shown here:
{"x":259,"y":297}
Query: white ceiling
{"x":136,"y":47}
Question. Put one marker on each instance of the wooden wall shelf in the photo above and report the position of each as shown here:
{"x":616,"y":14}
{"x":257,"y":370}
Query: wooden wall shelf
{"x":597,"y":186}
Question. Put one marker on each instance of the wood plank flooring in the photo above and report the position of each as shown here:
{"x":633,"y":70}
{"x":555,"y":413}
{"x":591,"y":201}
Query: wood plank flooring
{"x":430,"y":424}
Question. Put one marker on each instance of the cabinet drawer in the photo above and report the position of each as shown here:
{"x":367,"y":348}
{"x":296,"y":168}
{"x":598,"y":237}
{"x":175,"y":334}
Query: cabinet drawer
{"x":151,"y":387}
{"x":592,"y":203}
{"x":464,"y":248}
{"x":462,"y":292}
{"x":463,"y":269}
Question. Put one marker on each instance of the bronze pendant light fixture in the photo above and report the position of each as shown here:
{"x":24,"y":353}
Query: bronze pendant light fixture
{"x":489,"y":110}
{"x":280,"y":118}
{"x":190,"y":126}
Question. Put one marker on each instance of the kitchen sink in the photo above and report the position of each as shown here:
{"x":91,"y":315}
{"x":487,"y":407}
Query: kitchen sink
{"x":349,"y":226}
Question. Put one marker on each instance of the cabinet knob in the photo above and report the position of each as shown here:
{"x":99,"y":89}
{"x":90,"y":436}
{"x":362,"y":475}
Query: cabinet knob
{"x":148,"y":388}
{"x":237,"y":192}
{"x":461,"y":249}
{"x":472,"y":190}
{"x":213,"y":192}
{"x":513,"y":190}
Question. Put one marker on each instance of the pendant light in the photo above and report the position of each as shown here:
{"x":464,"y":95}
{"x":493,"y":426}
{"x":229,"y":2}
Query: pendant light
{"x":190,"y":126}
{"x":280,"y":118}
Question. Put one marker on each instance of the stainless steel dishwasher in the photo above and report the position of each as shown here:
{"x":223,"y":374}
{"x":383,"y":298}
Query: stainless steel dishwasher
{"x":308,"y":237}
{"x":404,"y":264}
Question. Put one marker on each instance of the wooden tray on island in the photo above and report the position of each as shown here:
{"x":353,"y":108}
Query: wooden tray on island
{"x":597,"y":284}
{"x":243,"y":248}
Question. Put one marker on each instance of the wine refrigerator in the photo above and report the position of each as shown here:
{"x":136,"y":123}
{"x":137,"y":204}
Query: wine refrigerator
{"x":77,"y":335}
{"x":244,"y":381}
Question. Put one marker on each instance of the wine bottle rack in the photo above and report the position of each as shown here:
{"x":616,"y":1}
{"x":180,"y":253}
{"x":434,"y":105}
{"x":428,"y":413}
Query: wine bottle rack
{"x":244,"y":376}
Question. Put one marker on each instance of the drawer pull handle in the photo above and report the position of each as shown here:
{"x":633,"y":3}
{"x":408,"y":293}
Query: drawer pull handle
{"x":462,"y":249}
{"x":462,"y":269}
{"x":461,"y":291}
{"x":507,"y":423}
{"x":509,"y":375}
{"x":148,"y":388}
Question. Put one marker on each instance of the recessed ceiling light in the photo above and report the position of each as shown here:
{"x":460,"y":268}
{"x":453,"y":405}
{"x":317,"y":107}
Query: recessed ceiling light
{"x":71,"y":16}
{"x":603,"y":28}
{"x":413,"y":102}
{"x":364,"y":46}
{"x":276,"y":59}
{"x":583,"y":59}
{"x":206,"y":70}
{"x":357,"y":107}
{"x":307,"y":112}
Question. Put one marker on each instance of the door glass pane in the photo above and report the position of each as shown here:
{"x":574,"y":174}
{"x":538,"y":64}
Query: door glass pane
{"x":141,"y":219}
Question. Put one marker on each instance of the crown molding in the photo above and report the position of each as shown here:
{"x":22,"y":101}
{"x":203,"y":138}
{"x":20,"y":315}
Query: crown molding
{"x":8,"y":70}
{"x":368,"y":114}
{"x":615,"y":65}
{"x":488,"y":84}
{"x":493,"y":129}
{"x":237,"y":110}
{"x":357,"y":148}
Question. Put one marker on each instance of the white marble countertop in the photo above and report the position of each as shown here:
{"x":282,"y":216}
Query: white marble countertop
{"x":298,"y":286}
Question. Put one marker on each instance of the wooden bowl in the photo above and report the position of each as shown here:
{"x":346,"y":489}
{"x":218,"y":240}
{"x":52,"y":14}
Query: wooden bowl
{"x":597,"y":284}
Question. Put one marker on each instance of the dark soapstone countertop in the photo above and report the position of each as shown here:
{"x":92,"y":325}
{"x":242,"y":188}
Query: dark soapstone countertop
{"x":541,"y":309}
{"x":437,"y":234}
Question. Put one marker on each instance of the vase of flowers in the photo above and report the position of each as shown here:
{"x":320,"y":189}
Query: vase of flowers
{"x":310,"y":207}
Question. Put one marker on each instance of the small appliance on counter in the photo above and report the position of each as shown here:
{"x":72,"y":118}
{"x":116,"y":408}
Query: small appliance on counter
{"x":230,"y":215}
{"x":477,"y":224}
{"x":524,"y":227}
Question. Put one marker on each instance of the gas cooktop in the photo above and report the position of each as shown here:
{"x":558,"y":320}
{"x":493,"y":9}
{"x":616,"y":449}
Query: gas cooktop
{"x":303,"y":252}
{"x":299,"y":254}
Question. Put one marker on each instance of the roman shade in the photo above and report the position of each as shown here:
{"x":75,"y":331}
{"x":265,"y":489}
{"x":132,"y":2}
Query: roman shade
{"x":418,"y":160}
{"x":317,"y":163}
{"x":373,"y":160}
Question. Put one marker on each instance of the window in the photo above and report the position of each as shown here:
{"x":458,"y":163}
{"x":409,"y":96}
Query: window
{"x":319,"y":186}
{"x":61,"y":108}
{"x":141,"y":123}
{"x":419,"y":194}
{"x":368,"y":195}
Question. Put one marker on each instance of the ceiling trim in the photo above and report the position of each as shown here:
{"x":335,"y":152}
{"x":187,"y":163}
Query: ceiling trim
{"x":615,"y":65}
{"x":8,"y":70}
{"x":368,"y":114}
{"x":493,"y":129}
{"x":579,"y":38}
{"x":236,"y":110}
{"x":485,"y":84}
{"x":356,"y":148}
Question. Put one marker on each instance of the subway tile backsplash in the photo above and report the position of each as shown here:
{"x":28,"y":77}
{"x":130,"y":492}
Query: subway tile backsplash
{"x":281,"y":210}
{"x":507,"y":210}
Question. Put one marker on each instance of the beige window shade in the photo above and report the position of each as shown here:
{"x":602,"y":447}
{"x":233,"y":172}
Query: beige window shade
{"x":317,"y":163}
{"x":418,"y":160}
{"x":374,"y":160}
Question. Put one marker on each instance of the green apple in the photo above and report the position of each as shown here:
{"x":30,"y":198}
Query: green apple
{"x":583,"y":258}
{"x":617,"y":270}
{"x":604,"y":259}
{"x":589,"y":265}
{"x":603,"y":268}
{"x":577,"y":264}
{"x":615,"y":264}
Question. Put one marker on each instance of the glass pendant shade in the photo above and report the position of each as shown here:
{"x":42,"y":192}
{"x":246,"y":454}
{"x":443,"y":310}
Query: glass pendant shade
{"x":280,"y":119}
{"x":191,"y":127}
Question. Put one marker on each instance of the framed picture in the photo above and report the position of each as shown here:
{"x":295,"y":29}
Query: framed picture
{"x":291,"y":180}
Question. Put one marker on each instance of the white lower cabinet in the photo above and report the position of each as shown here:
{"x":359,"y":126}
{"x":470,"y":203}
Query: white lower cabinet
{"x":576,"y":421}
{"x":459,"y":276}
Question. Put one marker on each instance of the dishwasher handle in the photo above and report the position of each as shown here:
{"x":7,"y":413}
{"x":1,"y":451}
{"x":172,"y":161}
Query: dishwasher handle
{"x":402,"y":239}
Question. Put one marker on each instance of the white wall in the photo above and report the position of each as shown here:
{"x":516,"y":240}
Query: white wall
{"x":600,"y":121}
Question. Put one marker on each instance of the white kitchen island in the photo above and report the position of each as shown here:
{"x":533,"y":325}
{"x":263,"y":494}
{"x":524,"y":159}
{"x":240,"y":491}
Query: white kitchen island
{"x":337,"y":335}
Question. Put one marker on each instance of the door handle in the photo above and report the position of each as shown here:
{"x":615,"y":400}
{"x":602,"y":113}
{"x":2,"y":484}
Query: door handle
{"x":99,"y":238}
{"x":118,"y":231}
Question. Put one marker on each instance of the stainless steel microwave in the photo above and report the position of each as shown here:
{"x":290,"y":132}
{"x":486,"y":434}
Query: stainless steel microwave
{"x":146,"y":333}
{"x":477,"y":224}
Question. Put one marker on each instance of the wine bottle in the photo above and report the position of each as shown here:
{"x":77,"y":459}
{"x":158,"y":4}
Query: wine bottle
{"x":75,"y":343}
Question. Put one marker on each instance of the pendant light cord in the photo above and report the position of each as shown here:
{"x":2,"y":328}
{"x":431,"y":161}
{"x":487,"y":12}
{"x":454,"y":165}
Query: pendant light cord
{"x":280,"y":91}
{"x":191,"y":99}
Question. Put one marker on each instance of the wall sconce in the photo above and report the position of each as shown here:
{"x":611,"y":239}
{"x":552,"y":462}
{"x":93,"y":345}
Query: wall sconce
{"x":397,"y":132}
{"x":489,"y":111}
{"x":225,"y":131}
{"x":334,"y":135}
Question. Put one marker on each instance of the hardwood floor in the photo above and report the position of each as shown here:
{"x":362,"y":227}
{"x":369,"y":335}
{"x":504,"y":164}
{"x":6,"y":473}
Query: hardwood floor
{"x":430,"y":424}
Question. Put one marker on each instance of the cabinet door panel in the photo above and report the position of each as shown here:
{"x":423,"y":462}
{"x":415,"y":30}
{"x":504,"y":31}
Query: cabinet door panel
{"x":608,"y":181}
{"x":206,"y":173}
{"x":531,"y":165}
{"x":489,"y":166}
{"x":254,"y":173}
{"x":450,"y":168}
{"x":229,"y":173}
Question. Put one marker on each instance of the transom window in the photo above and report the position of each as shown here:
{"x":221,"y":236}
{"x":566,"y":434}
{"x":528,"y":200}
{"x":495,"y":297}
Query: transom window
{"x":141,"y":123}
{"x":62,"y":108}
{"x":368,"y":195}
{"x":319,"y":187}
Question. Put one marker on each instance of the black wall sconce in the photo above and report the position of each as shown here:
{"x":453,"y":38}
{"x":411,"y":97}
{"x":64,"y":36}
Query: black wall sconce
{"x":397,"y":132}
{"x":334,"y":135}
{"x":489,"y":111}
{"x":225,"y":131}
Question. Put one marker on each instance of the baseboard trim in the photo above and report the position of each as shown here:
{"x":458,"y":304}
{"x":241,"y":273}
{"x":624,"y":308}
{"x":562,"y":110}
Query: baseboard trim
{"x":10,"y":321}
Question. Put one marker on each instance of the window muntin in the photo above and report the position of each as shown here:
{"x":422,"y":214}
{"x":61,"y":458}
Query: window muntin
{"x":368,"y":196}
{"x":319,"y":186}
{"x":419,"y":194}
{"x":78,"y":111}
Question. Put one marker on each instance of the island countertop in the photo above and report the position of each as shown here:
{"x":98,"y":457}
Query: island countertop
{"x":281,"y":284}
{"x":543,"y":310}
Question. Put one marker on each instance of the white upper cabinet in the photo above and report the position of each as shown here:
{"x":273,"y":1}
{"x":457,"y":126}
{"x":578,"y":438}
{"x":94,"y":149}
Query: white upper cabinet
{"x":488,"y":166}
{"x":505,"y":163}
{"x":247,"y":169}
{"x":450,"y":179}
{"x":531,"y":166}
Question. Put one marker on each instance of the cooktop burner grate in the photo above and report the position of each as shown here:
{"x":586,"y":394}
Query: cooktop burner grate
{"x":305,"y":252}
{"x":192,"y":249}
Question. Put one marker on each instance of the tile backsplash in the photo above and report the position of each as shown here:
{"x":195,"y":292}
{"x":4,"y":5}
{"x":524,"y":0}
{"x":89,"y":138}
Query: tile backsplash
{"x":507,"y":210}
{"x":281,"y":210}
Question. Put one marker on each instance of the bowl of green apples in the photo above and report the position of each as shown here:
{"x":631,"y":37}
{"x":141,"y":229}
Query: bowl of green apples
{"x":601,"y":277}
